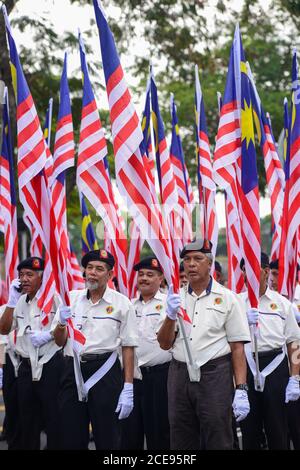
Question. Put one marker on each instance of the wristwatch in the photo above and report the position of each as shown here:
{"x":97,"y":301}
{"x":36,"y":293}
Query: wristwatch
{"x":242,"y":387}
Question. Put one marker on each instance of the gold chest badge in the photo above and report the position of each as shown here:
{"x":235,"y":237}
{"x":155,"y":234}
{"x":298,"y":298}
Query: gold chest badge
{"x":109,"y":309}
{"x":218,"y":301}
{"x":159,"y":307}
{"x":273,"y":306}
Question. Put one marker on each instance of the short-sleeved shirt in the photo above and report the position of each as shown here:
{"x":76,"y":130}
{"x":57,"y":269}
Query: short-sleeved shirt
{"x":26,"y":317}
{"x":277,"y":325}
{"x":106,"y":324}
{"x":297,"y":297}
{"x":149,"y":315}
{"x":217,"y":318}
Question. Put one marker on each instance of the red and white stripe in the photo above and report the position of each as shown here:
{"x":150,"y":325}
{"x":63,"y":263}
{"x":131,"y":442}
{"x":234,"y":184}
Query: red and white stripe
{"x":94,"y":182}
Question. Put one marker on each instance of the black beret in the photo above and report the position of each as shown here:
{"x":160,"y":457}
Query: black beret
{"x":34,"y":263}
{"x":274,"y":264}
{"x":98,"y":255}
{"x":199,"y":244}
{"x":264,"y":261}
{"x":150,"y":262}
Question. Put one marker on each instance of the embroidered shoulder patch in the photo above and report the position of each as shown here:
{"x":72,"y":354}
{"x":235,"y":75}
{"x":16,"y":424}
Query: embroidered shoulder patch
{"x":109,"y":309}
{"x":218,"y":301}
{"x":158,"y":307}
{"x":273,"y":306}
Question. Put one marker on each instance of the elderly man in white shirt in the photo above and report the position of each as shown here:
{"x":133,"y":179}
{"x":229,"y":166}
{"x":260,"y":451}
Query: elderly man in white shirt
{"x":208,"y":350}
{"x":150,"y":414}
{"x":107,"y":320}
{"x":41,"y":359}
{"x":275,"y":330}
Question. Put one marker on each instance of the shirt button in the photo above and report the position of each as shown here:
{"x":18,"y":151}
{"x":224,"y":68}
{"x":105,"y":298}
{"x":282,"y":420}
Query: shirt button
{"x":194,"y":326}
{"x":196,"y":313}
{"x":191,"y":339}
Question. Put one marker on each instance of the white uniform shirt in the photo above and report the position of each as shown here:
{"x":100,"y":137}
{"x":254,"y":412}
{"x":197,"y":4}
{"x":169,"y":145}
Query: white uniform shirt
{"x":26,"y":317}
{"x":217,"y":318}
{"x":149,"y":315}
{"x":106,"y":325}
{"x":277,"y":323}
{"x":297,"y":297}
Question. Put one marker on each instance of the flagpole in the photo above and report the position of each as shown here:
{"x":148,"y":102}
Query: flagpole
{"x":50,"y":122}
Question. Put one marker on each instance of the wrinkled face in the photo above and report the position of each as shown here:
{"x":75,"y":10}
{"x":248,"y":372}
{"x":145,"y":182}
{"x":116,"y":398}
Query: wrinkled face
{"x":148,"y":281}
{"x":196,"y":266}
{"x":183,"y":279}
{"x":30,"y":281}
{"x":274,"y":279}
{"x":97,"y":275}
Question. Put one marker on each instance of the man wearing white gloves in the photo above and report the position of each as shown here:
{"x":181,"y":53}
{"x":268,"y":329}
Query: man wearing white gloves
{"x":150,"y":415}
{"x":274,"y":329}
{"x":98,"y":393}
{"x":41,"y":359}
{"x":293,"y":407}
{"x":208,"y":350}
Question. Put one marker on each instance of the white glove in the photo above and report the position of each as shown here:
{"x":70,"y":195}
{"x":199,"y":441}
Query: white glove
{"x":292,"y":391}
{"x":14,"y":295}
{"x":297,"y":314}
{"x":125,"y":403}
{"x":64,"y":314}
{"x":39,"y":338}
{"x":240,"y":405}
{"x":1,"y":378}
{"x":173,"y":304}
{"x":252,"y":315}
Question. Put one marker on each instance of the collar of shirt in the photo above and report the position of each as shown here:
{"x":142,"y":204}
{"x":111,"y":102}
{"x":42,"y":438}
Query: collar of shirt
{"x":28,"y":300}
{"x":107,"y":296}
{"x":158,"y":296}
{"x":212,"y":286}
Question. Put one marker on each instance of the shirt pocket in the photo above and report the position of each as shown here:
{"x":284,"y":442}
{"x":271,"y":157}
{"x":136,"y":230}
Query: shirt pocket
{"x":215,"y":318}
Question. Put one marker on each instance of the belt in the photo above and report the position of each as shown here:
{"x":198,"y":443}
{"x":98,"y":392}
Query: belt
{"x":209,"y":365}
{"x":148,"y":369}
{"x":272,"y":352}
{"x":94,"y":357}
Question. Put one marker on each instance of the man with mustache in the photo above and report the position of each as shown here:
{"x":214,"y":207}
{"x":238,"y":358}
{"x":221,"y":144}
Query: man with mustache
{"x":107,"y":320}
{"x":40,"y":358}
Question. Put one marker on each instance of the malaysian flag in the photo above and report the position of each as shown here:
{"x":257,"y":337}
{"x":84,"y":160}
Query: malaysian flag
{"x":63,"y":158}
{"x":289,"y":243}
{"x":8,"y":203}
{"x":167,"y":183}
{"x":273,"y":168}
{"x":248,"y":179}
{"x":88,"y":238}
{"x":93,"y":178}
{"x":206,"y":184}
{"x":33,"y":187}
{"x":227,"y":152}
{"x":127,"y":138}
{"x":78,"y":281}
{"x":36,"y":244}
{"x":33,"y":191}
{"x":183,"y":182}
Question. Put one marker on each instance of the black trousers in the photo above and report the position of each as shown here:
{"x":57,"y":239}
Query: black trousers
{"x":99,"y":410}
{"x":10,"y":397}
{"x":293,"y":411}
{"x":267,"y":408}
{"x":38,"y":403}
{"x":150,"y":413}
{"x":200,"y":413}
